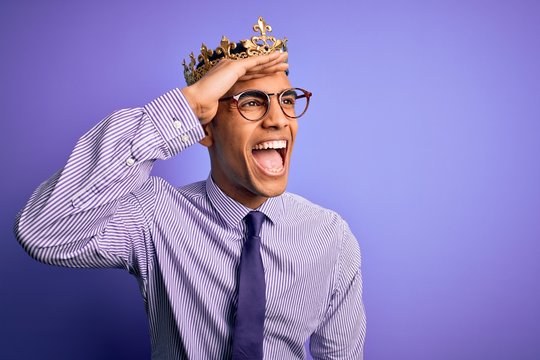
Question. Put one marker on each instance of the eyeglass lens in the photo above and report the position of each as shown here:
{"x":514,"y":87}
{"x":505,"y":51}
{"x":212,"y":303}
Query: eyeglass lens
{"x":253,"y":104}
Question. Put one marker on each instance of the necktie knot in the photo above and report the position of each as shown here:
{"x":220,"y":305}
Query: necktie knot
{"x":254,"y":220}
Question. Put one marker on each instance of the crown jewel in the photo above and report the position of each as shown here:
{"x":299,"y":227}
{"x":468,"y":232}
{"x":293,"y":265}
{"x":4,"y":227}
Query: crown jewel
{"x":257,"y":45}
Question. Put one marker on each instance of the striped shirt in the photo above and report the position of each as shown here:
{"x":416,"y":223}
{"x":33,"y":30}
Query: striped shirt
{"x":103,"y":209}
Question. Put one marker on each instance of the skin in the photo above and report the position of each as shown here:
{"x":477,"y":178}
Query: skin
{"x":230,"y":138}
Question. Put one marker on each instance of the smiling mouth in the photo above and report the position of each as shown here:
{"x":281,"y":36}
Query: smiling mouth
{"x":270,"y":156}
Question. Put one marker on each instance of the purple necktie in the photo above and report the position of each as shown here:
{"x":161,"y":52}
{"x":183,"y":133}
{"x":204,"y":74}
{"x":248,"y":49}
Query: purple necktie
{"x":249,"y":324}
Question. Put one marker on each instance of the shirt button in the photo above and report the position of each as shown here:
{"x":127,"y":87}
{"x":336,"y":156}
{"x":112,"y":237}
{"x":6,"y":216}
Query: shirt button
{"x":184,"y":138}
{"x":177,"y":124}
{"x":130,"y":161}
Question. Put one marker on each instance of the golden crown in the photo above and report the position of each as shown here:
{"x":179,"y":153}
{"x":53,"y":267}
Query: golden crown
{"x":261,"y":44}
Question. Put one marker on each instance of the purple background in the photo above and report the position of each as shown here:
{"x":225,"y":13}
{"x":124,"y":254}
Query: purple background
{"x":424,"y":133}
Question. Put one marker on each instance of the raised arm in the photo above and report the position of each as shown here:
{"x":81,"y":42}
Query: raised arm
{"x":85,"y":215}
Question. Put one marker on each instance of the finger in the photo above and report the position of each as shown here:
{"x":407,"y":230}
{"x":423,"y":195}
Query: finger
{"x":251,"y":77}
{"x":276,"y":69}
{"x":247,"y":64}
{"x":282,"y":58}
{"x":271,"y":69}
{"x":263,"y":61}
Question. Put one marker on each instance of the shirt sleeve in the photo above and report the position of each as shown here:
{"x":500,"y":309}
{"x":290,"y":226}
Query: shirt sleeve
{"x":85,"y":215}
{"x":342,"y":332}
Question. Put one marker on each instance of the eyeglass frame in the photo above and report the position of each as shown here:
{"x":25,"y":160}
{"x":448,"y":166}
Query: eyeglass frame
{"x":307,"y":95}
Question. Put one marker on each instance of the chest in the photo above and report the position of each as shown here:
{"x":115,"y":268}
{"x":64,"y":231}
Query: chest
{"x":199,"y":265}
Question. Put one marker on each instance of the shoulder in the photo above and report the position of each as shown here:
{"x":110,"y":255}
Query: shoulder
{"x":156,"y":192}
{"x":298,"y":207}
{"x":309,"y":215}
{"x":301,"y":209}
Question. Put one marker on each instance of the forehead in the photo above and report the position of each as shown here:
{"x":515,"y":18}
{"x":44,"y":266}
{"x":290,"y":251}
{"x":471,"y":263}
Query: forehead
{"x":271,"y":83}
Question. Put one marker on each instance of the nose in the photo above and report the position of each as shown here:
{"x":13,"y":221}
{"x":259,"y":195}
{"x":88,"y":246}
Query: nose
{"x":275,"y":118}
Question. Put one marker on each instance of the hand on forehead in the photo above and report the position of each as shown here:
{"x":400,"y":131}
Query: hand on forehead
{"x":222,"y":70}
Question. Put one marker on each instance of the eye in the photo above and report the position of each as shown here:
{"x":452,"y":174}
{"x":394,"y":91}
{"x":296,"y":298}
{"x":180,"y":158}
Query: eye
{"x":288,"y":100}
{"x":247,"y":103}
{"x":252,"y":100}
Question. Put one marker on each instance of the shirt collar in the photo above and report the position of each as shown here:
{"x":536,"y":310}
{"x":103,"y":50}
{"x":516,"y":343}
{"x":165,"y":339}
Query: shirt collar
{"x":233,"y":213}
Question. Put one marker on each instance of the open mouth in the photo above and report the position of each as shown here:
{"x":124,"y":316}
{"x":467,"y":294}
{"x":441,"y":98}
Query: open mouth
{"x":270,"y":156}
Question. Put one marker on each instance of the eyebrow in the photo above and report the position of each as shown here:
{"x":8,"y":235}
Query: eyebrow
{"x":248,"y":90}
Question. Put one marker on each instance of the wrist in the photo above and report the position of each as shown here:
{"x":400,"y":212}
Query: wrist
{"x":191,"y":99}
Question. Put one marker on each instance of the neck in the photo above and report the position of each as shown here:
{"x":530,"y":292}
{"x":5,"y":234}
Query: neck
{"x":239,"y":194}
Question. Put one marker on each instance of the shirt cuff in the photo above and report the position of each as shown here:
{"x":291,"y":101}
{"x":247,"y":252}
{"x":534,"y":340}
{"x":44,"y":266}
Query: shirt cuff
{"x":175,"y":121}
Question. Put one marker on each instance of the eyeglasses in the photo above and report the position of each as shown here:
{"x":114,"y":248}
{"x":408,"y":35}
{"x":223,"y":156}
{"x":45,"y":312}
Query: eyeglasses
{"x":253,"y":105}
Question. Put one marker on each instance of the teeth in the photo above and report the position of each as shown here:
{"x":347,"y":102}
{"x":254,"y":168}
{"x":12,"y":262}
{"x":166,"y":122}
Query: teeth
{"x":275,"y":171}
{"x":275,"y":144}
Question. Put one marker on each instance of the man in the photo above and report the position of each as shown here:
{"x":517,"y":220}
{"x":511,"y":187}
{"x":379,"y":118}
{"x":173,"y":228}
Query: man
{"x":231,"y":267}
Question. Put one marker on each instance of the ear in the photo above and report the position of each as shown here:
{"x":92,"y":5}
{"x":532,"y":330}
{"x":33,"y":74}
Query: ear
{"x":208,"y":140}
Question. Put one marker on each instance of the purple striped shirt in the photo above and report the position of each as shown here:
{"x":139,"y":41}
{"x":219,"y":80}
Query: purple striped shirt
{"x":103,"y":209}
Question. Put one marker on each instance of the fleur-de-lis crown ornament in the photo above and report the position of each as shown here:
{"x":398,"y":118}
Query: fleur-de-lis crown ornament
{"x":260,"y":44}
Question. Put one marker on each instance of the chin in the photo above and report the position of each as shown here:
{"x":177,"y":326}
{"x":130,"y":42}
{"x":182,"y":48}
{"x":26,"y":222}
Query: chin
{"x":273,"y":192}
{"x":270,"y":187}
